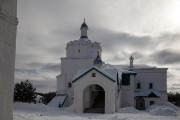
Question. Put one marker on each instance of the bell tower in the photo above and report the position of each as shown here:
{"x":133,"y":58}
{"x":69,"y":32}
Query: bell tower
{"x":8,"y":27}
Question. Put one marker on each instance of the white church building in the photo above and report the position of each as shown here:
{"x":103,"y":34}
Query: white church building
{"x":90,"y":85}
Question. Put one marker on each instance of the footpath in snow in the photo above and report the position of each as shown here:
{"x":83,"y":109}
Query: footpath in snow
{"x":24,"y":111}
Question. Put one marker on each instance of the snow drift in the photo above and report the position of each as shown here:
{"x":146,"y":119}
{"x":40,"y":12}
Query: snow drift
{"x":128,"y":110}
{"x":30,"y":106}
{"x":163,"y":110}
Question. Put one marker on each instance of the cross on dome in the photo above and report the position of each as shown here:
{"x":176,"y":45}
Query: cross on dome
{"x":131,"y":61}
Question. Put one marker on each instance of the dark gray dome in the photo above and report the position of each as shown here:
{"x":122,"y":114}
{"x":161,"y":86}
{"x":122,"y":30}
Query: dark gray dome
{"x":84,"y":25}
{"x":98,"y":61}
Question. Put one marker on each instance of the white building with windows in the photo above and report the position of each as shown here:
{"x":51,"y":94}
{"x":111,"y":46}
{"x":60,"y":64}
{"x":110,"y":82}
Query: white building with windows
{"x":93,"y":86}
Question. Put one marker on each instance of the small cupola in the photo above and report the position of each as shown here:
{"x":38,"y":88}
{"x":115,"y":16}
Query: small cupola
{"x":98,"y":62}
{"x":131,"y":59}
{"x":84,"y":29}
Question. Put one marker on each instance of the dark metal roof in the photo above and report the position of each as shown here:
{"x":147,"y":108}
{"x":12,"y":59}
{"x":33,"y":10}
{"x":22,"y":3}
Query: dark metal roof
{"x":84,"y":25}
{"x":98,"y":60}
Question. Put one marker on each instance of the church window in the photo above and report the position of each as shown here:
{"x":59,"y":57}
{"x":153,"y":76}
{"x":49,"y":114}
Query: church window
{"x":150,"y":86}
{"x":79,"y":51}
{"x":125,"y":80}
{"x":69,"y":85}
{"x":93,"y":74}
{"x":138,"y":85}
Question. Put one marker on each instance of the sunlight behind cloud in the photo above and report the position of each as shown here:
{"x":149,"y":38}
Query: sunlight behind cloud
{"x":173,"y":13}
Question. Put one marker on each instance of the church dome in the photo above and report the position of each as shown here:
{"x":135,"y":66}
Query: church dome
{"x":98,"y":61}
{"x":84,"y":25}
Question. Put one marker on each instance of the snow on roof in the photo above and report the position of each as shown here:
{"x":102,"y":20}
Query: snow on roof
{"x":126,"y":67}
{"x":57,"y":100}
{"x":109,"y":73}
{"x":84,"y":71}
{"x":146,"y":93}
{"x":79,"y":73}
{"x":118,"y":68}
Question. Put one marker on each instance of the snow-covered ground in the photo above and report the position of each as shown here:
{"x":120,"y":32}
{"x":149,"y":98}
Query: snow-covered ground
{"x":23,"y":111}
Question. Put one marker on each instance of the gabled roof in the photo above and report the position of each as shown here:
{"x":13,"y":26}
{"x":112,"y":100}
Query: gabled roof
{"x":83,"y":72}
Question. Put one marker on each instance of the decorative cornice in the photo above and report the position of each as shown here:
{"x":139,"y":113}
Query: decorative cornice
{"x":82,"y":41}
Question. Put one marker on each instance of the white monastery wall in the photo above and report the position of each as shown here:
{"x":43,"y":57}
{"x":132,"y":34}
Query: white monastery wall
{"x":82,"y":51}
{"x":147,"y":101}
{"x":61,"y":84}
{"x":8,"y":25}
{"x":156,"y":76}
{"x":69,"y":67}
{"x":127,"y":94}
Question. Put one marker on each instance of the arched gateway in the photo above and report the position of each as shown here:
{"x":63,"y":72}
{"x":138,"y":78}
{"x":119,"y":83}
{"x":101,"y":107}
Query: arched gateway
{"x":94,"y":99}
{"x":94,"y":92}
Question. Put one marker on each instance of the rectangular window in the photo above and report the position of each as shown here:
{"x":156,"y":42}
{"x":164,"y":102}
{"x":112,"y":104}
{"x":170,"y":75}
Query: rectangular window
{"x":138,"y":85}
{"x":150,"y":86}
{"x":69,"y":85}
{"x":151,"y":102}
{"x":125,"y":80}
{"x":93,"y":74}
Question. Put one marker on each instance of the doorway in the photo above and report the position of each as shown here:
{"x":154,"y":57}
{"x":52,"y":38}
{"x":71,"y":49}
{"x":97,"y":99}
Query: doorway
{"x":140,"y":103}
{"x":94,"y":99}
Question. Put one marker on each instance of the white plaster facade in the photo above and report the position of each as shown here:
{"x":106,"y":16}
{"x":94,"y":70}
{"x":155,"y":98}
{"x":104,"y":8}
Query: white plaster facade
{"x":8,"y":26}
{"x":85,"y":79}
{"x":101,"y":80}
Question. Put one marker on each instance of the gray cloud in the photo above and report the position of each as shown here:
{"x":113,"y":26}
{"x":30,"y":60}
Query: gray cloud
{"x":51,"y":67}
{"x":44,"y":86}
{"x":118,"y":41}
{"x":166,"y":56}
{"x":174,"y":89}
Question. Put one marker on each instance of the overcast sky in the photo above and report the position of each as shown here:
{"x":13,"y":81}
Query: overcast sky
{"x":147,"y":29}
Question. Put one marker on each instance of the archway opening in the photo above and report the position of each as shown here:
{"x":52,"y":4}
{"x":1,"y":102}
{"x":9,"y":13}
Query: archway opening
{"x":140,"y":103}
{"x":94,"y":99}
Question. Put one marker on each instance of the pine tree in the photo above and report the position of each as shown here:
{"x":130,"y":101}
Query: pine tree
{"x":24,"y":92}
